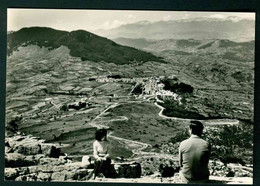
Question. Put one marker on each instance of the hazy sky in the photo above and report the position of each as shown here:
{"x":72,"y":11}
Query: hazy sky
{"x":91,"y":20}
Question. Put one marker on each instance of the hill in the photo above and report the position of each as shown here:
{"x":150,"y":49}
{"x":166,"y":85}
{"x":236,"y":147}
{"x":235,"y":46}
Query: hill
{"x":81,"y":43}
{"x":236,"y":51}
{"x":197,"y":28}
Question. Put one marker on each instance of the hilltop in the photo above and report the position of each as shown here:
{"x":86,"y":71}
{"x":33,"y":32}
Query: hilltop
{"x":83,"y":44}
{"x":238,"y":51}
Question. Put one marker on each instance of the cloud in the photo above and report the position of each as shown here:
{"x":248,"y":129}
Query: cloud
{"x":167,"y":18}
{"x":186,"y":15}
{"x":130,"y":16}
{"x":112,"y":24}
{"x":218,"y":16}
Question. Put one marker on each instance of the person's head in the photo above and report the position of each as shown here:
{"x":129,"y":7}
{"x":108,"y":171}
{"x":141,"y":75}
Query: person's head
{"x":196,"y":128}
{"x":101,"y":135}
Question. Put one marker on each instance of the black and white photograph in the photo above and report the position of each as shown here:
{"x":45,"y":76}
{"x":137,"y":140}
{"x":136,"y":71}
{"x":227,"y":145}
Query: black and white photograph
{"x":129,"y":96}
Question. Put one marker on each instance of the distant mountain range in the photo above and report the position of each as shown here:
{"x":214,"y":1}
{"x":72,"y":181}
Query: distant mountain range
{"x":83,"y":44}
{"x":197,"y":28}
{"x":240,"y":51}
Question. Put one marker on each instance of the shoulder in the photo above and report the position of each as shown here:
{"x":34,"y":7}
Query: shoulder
{"x":184,"y":142}
{"x":95,"y":142}
{"x":206,"y":143}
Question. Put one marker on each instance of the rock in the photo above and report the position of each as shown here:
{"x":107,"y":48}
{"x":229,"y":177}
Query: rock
{"x":23,"y":170}
{"x":81,"y":173}
{"x":28,"y":148}
{"x":49,"y":161}
{"x":11,"y":173}
{"x":85,"y":161}
{"x":41,"y":168}
{"x":31,"y":159}
{"x":128,"y":170}
{"x":21,"y":178}
{"x":50,"y":150}
{"x":167,"y":171}
{"x":17,"y":160}
{"x":44,"y":176}
{"x":63,"y":159}
{"x":69,"y":175}
{"x":29,"y":177}
{"x":58,"y":176}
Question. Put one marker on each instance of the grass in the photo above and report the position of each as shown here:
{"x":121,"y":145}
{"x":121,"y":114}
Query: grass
{"x":81,"y":43}
{"x":146,"y":127}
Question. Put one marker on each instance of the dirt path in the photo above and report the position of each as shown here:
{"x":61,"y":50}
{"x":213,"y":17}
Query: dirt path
{"x":208,"y":122}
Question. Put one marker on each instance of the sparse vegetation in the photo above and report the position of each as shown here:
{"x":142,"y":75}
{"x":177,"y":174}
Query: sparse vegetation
{"x":83,"y":44}
{"x":174,"y":109}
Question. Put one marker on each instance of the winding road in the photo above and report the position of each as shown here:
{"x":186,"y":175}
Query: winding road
{"x":140,"y":146}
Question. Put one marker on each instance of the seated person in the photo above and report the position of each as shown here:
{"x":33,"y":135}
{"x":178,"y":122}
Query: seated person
{"x":101,"y":155}
{"x":194,"y":155}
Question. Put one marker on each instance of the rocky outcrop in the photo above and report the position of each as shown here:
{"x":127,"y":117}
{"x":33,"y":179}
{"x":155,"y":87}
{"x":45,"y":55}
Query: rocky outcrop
{"x":128,"y":170}
{"x":30,"y":159}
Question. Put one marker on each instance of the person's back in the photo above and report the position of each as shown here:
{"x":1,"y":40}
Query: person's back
{"x":194,"y":157}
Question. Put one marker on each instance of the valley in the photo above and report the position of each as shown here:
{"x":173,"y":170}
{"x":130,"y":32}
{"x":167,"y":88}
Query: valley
{"x":62,"y":99}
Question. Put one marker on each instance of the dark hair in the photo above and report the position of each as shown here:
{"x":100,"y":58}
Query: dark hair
{"x":196,"y":127}
{"x":100,"y":134}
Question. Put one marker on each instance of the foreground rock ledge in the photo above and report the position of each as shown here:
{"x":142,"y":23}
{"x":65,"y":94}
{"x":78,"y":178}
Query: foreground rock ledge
{"x":30,"y":159}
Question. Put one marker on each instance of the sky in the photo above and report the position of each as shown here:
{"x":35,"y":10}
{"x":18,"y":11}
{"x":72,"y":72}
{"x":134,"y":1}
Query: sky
{"x":91,"y":20}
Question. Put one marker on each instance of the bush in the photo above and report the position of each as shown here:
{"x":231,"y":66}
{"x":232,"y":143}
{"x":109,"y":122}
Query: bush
{"x":64,"y":108}
{"x":173,"y":109}
{"x":231,"y":144}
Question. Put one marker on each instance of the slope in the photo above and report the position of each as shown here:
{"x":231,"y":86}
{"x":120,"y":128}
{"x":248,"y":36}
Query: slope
{"x":81,"y":43}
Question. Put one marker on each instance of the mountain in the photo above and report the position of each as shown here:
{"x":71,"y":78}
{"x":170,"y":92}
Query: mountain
{"x":136,"y":43}
{"x":196,"y":28}
{"x":81,"y":43}
{"x":238,"y":51}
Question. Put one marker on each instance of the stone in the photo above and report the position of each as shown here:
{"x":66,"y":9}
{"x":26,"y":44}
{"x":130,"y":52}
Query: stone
{"x":29,"y":177}
{"x":44,"y":176}
{"x":41,"y":168}
{"x":58,"y":176}
{"x":33,"y":169}
{"x":49,"y":161}
{"x":50,"y":150}
{"x":62,"y":159}
{"x":31,"y":159}
{"x":11,"y":173}
{"x":69,"y":175}
{"x":17,"y":160}
{"x":21,"y":178}
{"x":23,"y":170}
{"x":85,"y":161}
{"x":128,"y":170}
{"x":81,"y":173}
{"x":28,"y":148}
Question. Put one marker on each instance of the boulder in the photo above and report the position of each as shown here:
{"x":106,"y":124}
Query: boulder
{"x":41,"y":168}
{"x":58,"y":176}
{"x":81,"y":173}
{"x":44,"y":176}
{"x":85,"y":161}
{"x":28,"y":177}
{"x":50,"y":161}
{"x":23,"y":170}
{"x":50,"y":150}
{"x":11,"y":173}
{"x":18,"y":160}
{"x":28,"y":148}
{"x":128,"y":170}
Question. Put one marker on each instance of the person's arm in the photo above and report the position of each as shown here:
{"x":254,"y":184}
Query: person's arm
{"x":95,"y":153}
{"x":108,"y":151}
{"x":180,"y":155}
